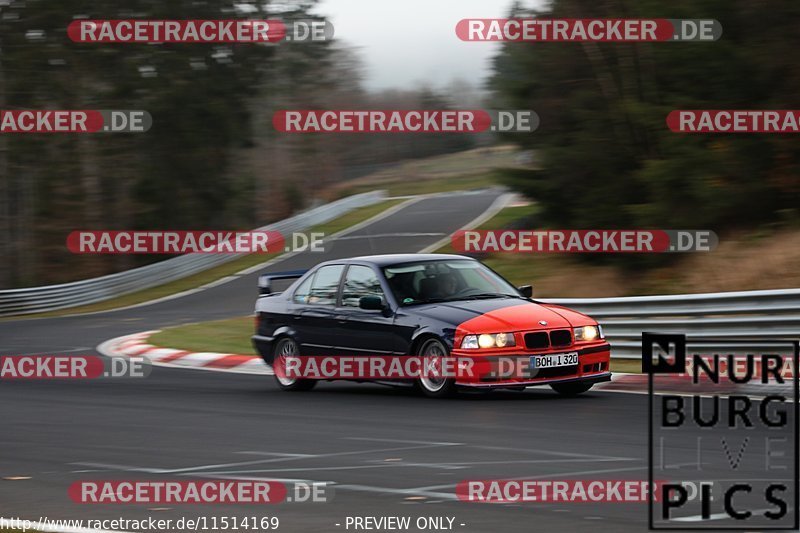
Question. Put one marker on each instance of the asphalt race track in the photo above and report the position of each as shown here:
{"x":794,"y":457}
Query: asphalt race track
{"x":387,"y":451}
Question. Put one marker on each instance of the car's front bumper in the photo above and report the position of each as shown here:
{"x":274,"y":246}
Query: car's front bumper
{"x":595,"y":378}
{"x":491,"y":370}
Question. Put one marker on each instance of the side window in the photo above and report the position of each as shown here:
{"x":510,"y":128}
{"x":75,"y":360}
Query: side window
{"x":301,"y":293}
{"x":360,"y":281}
{"x":325,"y":285}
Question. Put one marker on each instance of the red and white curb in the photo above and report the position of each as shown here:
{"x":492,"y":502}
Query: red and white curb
{"x":137,"y":345}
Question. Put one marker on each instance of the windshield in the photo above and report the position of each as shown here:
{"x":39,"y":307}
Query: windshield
{"x":445,"y":280}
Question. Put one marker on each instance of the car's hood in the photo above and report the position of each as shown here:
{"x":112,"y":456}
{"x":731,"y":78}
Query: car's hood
{"x":501,"y":314}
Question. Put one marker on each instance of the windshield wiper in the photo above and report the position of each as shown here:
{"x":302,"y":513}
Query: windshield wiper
{"x":479,"y":296}
{"x":429,"y":301}
{"x":486,"y":296}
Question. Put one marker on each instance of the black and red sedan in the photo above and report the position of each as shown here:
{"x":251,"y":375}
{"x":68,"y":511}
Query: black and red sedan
{"x":434,"y":306}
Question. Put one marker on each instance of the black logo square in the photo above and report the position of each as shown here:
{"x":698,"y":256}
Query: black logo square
{"x":668,"y":362}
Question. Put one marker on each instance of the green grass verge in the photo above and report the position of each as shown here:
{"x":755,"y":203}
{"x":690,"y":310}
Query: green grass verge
{"x":232,"y":335}
{"x":191,"y":282}
{"x":631,"y":366}
{"x":470,"y":169}
{"x":355,"y":217}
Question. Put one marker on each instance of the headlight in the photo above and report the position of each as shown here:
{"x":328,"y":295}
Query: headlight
{"x":588,"y":333}
{"x":488,"y":340}
{"x":469,"y":342}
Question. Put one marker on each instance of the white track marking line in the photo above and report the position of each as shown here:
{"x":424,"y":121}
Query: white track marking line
{"x":406,"y":441}
{"x":276,"y":454}
{"x":380,"y":216}
{"x":382,"y":235}
{"x":280,"y":479}
{"x":675,"y":393}
{"x":406,"y":464}
{"x":547,"y":452}
{"x":220,"y":281}
{"x":328,"y":468}
{"x":381,"y":450}
{"x":125,"y":468}
{"x":497,"y":206}
{"x":537,"y":461}
{"x":338,"y":454}
{"x":191,"y":469}
{"x":405,"y":492}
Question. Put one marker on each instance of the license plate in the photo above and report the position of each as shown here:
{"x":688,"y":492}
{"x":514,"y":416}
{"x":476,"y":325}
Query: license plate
{"x":554,"y":360}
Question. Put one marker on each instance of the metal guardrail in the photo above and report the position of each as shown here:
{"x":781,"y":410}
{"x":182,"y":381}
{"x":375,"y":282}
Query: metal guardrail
{"x":55,"y":297}
{"x":772,"y":314}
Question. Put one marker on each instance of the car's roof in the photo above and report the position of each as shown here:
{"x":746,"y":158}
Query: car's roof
{"x":395,"y":259}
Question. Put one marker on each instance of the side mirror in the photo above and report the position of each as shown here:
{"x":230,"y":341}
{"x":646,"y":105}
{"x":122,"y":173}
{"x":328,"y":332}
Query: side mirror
{"x":263,"y":286}
{"x":371,"y":303}
{"x":526,"y":290}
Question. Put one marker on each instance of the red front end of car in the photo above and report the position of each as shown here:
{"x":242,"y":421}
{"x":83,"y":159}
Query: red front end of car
{"x":550,"y":345}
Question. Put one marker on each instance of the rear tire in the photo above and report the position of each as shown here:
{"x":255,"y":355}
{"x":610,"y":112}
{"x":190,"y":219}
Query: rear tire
{"x":286,"y":347}
{"x":432,"y":386}
{"x":571,"y":389}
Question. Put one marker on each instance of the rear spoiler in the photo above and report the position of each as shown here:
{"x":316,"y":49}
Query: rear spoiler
{"x":265,"y":280}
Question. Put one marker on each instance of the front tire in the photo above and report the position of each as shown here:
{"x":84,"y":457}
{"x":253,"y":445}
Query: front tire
{"x":571,"y":389}
{"x":284,"y":348}
{"x":435,"y":386}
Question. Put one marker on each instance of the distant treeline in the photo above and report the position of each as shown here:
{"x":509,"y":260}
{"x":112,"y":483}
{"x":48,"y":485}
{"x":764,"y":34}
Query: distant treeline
{"x":211,"y":159}
{"x":604,"y":155}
